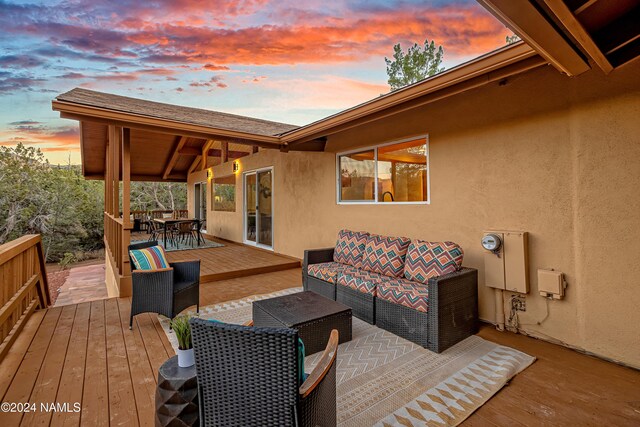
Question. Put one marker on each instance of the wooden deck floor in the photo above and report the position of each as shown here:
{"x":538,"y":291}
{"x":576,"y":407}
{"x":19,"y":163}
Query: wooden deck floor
{"x":233,"y":260}
{"x":85,"y":353}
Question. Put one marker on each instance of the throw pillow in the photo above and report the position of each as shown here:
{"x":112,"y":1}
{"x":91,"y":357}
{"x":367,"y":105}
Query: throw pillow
{"x":432,"y":259}
{"x":350,"y":247}
{"x":152,"y":258}
{"x":385,"y":255}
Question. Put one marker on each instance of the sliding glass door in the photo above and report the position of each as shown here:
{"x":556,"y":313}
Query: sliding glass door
{"x":200,"y":200}
{"x":258,"y":208}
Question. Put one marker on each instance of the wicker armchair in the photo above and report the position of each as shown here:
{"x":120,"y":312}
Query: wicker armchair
{"x":248,"y":376}
{"x":167,"y":291}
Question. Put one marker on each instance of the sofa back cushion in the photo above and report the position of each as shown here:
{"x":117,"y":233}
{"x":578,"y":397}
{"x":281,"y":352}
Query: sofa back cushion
{"x":350,"y":247}
{"x":431,"y":259}
{"x":385,"y":255}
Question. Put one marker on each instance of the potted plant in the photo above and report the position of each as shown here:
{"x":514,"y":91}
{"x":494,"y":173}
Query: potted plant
{"x":182,"y":329}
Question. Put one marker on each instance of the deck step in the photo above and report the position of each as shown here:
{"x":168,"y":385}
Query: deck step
{"x":250,"y":271}
{"x":234,"y":260}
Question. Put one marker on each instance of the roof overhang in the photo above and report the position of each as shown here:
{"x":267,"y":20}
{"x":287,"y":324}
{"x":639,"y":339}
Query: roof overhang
{"x":569,"y":33}
{"x":502,"y":63}
{"x":86,"y":113}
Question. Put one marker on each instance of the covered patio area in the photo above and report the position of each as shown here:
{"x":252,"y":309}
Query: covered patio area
{"x":125,"y":139}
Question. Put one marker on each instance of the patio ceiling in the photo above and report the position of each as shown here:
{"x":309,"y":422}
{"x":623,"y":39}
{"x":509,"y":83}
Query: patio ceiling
{"x":569,"y":33}
{"x":167,"y":141}
{"x":155,"y":156}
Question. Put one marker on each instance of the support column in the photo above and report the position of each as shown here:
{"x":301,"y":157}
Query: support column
{"x":107,"y":172}
{"x":224,"y":156}
{"x":125,"y":149}
{"x":115,"y":152}
{"x":126,"y":176}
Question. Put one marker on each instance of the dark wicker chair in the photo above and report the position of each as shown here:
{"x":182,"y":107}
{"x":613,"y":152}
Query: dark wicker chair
{"x":166,"y":291}
{"x":248,"y":376}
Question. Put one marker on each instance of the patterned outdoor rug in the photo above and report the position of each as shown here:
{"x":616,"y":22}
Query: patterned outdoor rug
{"x":178,"y":246}
{"x":385,"y":380}
{"x":186,"y":246}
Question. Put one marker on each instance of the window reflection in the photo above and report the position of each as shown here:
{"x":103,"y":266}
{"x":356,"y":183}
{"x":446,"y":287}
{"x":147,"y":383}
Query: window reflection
{"x":224,"y":194}
{"x":402,"y":172}
{"x":357,"y":176}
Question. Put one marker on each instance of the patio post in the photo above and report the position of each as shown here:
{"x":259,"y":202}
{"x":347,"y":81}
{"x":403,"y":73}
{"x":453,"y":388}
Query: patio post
{"x":117,"y":226}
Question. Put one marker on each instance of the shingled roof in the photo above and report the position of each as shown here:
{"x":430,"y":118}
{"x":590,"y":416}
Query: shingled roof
{"x":196,"y":116}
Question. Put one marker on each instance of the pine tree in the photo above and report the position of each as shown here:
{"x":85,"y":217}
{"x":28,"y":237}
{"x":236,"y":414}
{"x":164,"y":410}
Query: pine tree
{"x":418,"y":63}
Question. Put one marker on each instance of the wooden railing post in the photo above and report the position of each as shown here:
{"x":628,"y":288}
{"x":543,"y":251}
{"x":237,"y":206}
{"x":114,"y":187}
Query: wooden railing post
{"x":23,"y":278}
{"x":126,"y":176}
{"x":116,"y":134}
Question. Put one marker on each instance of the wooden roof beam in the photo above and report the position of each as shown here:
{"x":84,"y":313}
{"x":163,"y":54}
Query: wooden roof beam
{"x":524,"y":19}
{"x":213,"y":152}
{"x":205,"y":153}
{"x":194,"y":164}
{"x":138,"y":177}
{"x":224,"y":154}
{"x":575,"y":28}
{"x":174,"y":157}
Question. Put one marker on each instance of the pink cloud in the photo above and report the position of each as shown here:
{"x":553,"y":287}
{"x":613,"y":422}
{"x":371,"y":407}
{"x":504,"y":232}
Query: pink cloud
{"x":299,"y":37}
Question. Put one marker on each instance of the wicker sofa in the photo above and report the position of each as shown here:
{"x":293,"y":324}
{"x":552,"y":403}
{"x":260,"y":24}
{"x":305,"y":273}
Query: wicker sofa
{"x":415,"y":289}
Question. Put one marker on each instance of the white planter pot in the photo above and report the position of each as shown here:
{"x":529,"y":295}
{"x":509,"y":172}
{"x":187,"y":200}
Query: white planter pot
{"x":186,"y":358}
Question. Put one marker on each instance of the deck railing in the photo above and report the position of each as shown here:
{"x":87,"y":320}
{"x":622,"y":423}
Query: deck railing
{"x":24,"y":287}
{"x":117,"y":237}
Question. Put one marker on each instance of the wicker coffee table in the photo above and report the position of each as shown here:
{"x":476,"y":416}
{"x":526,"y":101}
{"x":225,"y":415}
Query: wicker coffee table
{"x":313,"y":315}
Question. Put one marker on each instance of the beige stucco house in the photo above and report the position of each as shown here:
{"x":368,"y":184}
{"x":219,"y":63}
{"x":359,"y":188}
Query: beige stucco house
{"x":541,"y":136}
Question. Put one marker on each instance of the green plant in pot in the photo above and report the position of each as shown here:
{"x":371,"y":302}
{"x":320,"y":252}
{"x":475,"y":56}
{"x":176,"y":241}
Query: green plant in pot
{"x":182,"y":329}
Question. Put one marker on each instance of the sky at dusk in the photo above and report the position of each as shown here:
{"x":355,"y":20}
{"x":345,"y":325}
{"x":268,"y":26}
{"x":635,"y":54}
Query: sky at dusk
{"x":282,"y":60}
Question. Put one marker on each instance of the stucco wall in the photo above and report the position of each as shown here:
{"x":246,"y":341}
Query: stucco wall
{"x":555,"y":156}
{"x":195,"y":177}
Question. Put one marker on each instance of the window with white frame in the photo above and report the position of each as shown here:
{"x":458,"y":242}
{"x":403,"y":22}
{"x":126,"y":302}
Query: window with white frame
{"x":391,"y":173}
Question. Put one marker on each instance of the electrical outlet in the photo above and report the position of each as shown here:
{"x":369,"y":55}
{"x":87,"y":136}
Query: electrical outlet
{"x":518,"y":303}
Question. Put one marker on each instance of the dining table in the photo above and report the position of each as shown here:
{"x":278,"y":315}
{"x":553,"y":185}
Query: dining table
{"x":170,"y":221}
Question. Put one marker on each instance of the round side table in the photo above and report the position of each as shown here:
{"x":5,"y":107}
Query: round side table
{"x":176,"y":395}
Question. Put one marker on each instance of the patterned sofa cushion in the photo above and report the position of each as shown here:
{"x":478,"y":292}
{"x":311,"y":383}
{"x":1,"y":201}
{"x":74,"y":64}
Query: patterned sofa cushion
{"x":431,"y":259}
{"x":327,"y":271}
{"x":385,"y":255}
{"x":360,"y":280}
{"x":405,"y":292}
{"x":350,"y":247}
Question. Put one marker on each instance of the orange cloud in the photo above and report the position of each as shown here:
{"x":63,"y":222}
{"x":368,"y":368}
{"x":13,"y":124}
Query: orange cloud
{"x":293,"y":37}
{"x":29,"y":132}
{"x":463,"y":31}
